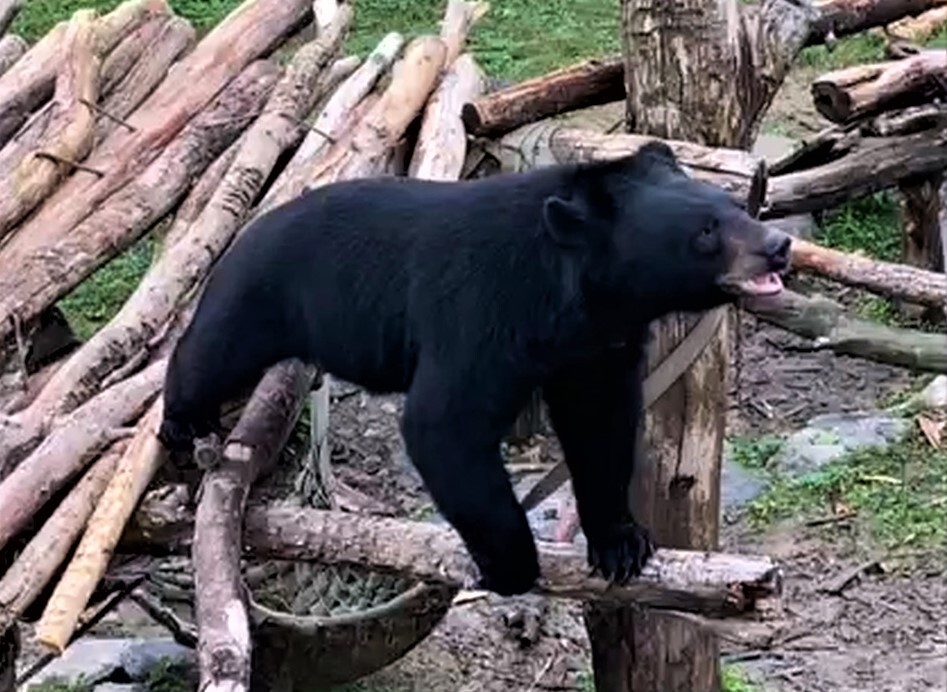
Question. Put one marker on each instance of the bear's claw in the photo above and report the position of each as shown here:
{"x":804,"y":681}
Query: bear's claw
{"x":621,"y":552}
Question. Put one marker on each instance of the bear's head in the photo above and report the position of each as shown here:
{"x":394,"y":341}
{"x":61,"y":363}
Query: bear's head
{"x":652,"y":240}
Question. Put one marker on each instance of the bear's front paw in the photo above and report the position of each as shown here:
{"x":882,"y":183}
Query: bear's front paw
{"x":509,"y":578}
{"x":620,"y":552}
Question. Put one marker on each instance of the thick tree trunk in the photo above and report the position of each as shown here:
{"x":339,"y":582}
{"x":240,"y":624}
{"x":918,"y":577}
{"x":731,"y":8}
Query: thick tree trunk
{"x":839,"y":18}
{"x":920,"y":227}
{"x":584,"y":85}
{"x":871,"y":164}
{"x":12,"y":48}
{"x":54,"y":265}
{"x":856,"y":92}
{"x":694,"y":70}
{"x":252,"y":446}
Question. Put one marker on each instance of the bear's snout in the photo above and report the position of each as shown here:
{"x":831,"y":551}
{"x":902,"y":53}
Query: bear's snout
{"x":776,"y":248}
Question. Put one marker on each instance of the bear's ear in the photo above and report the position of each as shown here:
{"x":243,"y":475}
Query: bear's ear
{"x":658,"y":155}
{"x":564,"y":221}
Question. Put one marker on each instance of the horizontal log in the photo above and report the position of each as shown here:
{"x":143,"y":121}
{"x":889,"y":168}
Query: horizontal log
{"x":863,"y":90}
{"x":572,"y":88}
{"x":546,"y":143}
{"x":830,"y":329}
{"x":713,"y":584}
{"x":872,"y":164}
{"x":839,"y":18}
{"x":899,"y":281}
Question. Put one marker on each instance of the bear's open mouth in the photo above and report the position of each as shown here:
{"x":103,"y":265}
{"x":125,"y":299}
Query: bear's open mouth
{"x":766,"y":284}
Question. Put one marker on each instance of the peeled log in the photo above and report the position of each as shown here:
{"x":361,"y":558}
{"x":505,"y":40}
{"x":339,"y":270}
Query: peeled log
{"x":68,"y":136}
{"x":363,"y":152}
{"x":442,"y":142}
{"x":587,"y":84}
{"x":856,"y":92}
{"x":252,"y":446}
{"x":53,"y":266}
{"x":825,"y":322}
{"x":883,"y":278}
{"x":845,"y":17}
{"x":920,"y":29}
{"x":872,"y":164}
{"x":546,"y":143}
{"x":12,"y":48}
{"x":31,"y":80}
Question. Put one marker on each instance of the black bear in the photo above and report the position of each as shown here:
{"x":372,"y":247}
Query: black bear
{"x":468,"y":296}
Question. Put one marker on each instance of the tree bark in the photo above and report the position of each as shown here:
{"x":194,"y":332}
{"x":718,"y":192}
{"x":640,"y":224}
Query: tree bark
{"x":919,"y":29}
{"x":920,"y":228}
{"x":36,"y":565}
{"x":31,"y":81}
{"x":8,"y":12}
{"x":883,"y":278}
{"x":77,"y":440}
{"x":826,"y":323}
{"x":69,"y":134}
{"x":12,"y":48}
{"x":572,"y":88}
{"x":857,"y":92}
{"x":53,"y":265}
{"x":249,"y":31}
{"x":133,"y":472}
{"x":705,"y":71}
{"x":870,"y":165}
{"x":546,"y":143}
{"x":839,"y":18}
{"x":254,"y":444}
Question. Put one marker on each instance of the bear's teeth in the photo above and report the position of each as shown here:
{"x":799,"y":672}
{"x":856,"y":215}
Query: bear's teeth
{"x":763,"y":285}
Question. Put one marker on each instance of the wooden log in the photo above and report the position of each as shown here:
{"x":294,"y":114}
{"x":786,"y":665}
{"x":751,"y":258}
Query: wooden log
{"x":442,"y":142}
{"x":839,"y":18}
{"x":253,"y":445}
{"x":459,"y":18}
{"x":183,"y":264}
{"x":856,"y":92}
{"x":920,"y":230}
{"x":333,"y":121}
{"x":31,"y":81}
{"x":826,"y":324}
{"x":251,"y":30}
{"x":908,"y":121}
{"x":919,"y":30}
{"x":714,"y":584}
{"x":76,"y":440}
{"x":363,"y":151}
{"x":546,"y":143}
{"x":54,"y":265}
{"x":36,"y":565}
{"x":8,"y":12}
{"x":133,"y":473}
{"x":587,"y":84}
{"x":12,"y":48}
{"x":872,"y":164}
{"x":897,"y":281}
{"x":70,"y":132}
{"x":9,"y":653}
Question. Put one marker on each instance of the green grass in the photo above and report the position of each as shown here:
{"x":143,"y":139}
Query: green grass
{"x":899,"y":492}
{"x":868,"y":225}
{"x":61,"y":685}
{"x":754,"y":452}
{"x":732,"y":679}
{"x":850,"y":50}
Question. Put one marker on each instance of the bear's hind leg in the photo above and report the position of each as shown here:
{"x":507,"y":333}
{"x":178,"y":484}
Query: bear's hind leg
{"x":452,"y":435}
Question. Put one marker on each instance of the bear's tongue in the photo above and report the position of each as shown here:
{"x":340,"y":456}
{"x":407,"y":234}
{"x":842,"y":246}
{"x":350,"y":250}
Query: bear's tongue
{"x":763,"y":285}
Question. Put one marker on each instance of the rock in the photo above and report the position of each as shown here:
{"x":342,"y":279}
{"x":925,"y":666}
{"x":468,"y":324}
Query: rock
{"x":120,"y":687}
{"x":739,"y":485}
{"x":828,"y":437}
{"x":772,"y":147}
{"x":143,"y":655}
{"x":801,"y":226}
{"x":933,"y":396}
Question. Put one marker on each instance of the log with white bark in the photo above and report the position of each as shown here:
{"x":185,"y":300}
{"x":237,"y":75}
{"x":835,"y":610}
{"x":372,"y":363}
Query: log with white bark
{"x":133,"y":472}
{"x":715,"y":584}
{"x":31,"y":80}
{"x":546,"y":143}
{"x":333,"y":121}
{"x":839,"y":18}
{"x":856,"y":92}
{"x":53,"y":265}
{"x":919,"y":30}
{"x":898,"y":281}
{"x":251,"y":30}
{"x":38,"y":562}
{"x":459,"y":18}
{"x":12,"y":48}
{"x":8,"y":11}
{"x":870,"y":164}
{"x":76,"y":440}
{"x":825,"y":323}
{"x":185,"y":261}
{"x":251,"y":447}
{"x":364,"y":151}
{"x":68,"y":136}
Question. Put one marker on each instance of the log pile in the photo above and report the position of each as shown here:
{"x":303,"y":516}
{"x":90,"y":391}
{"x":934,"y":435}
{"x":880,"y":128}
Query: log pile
{"x":116,"y":125}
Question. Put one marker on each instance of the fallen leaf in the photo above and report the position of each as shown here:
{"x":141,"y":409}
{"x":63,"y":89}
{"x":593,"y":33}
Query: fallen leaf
{"x":933,"y":430}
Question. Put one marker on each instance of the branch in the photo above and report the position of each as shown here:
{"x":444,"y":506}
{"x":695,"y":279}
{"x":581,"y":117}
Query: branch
{"x":546,"y":143}
{"x":826,"y":323}
{"x":863,"y":90}
{"x":883,"y":278}
{"x":223,"y":623}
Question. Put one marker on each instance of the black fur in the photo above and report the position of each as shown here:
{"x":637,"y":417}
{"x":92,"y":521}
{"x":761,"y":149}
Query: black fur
{"x":468,"y":296}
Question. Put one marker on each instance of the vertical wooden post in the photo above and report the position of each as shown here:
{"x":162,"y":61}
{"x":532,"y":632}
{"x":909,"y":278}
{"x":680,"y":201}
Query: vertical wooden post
{"x":694,"y":70}
{"x":920,"y":229}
